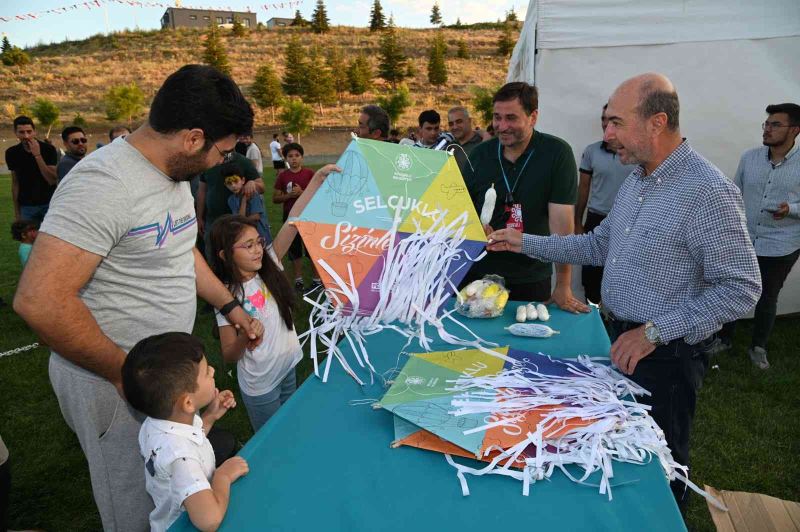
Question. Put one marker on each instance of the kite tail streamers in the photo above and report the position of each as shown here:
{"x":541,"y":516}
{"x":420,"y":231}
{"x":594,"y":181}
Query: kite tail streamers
{"x":621,"y":429}
{"x":413,"y":288}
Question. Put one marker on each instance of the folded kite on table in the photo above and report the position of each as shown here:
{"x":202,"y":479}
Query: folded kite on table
{"x":527,"y":415}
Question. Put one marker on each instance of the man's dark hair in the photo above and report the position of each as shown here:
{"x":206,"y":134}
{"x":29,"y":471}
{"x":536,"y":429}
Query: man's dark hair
{"x":117,"y":129}
{"x":200,"y":96}
{"x":394,"y":132}
{"x":526,"y":93}
{"x":653,"y":100}
{"x":292,"y":146}
{"x":69,"y":130}
{"x":274,"y":135}
{"x":791,"y":109}
{"x":23,"y":120}
{"x":430,"y":116}
{"x":20,"y":227}
{"x":377,"y":119}
{"x":159,"y":369}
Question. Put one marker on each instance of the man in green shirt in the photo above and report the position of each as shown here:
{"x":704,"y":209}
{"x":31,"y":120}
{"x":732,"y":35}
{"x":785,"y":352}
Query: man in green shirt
{"x":535,"y":177}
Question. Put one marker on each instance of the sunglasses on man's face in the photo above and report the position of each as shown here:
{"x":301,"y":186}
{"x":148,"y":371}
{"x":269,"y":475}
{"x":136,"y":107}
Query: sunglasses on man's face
{"x":78,"y":141}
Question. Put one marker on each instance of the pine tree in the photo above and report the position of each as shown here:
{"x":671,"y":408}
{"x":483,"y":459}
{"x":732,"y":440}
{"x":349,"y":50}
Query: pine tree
{"x":437,"y":68}
{"x":298,"y":20}
{"x":7,"y":44}
{"x":338,"y":68}
{"x":462,"y":52}
{"x":411,"y":70}
{"x":506,"y":43}
{"x":511,"y":16}
{"x":266,"y":89}
{"x":319,"y":18}
{"x":377,"y":21}
{"x":294,"y":76}
{"x":319,"y":87}
{"x":238,"y":29}
{"x":392,"y":64}
{"x":458,"y":23}
{"x":436,"y":15}
{"x":214,"y":53}
{"x":359,"y":75}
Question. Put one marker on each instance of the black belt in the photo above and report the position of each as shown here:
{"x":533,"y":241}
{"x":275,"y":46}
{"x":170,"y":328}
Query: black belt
{"x":620,"y":324}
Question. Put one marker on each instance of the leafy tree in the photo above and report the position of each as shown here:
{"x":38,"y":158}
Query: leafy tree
{"x":294,"y":76}
{"x":266,"y":89}
{"x":296,"y":117}
{"x":395,"y":103}
{"x":359,"y":75}
{"x":13,"y":56}
{"x":462,"y":52}
{"x":437,"y":68}
{"x":335,"y":62}
{"x":46,"y":113}
{"x":511,"y":16}
{"x":411,"y":70}
{"x":319,"y":87}
{"x":436,"y":15}
{"x":392,"y":63}
{"x":319,"y":18}
{"x":482,"y":102}
{"x":238,"y":28}
{"x":124,"y":101}
{"x":214,"y":53}
{"x":506,"y":43}
{"x":80,"y":121}
{"x":377,"y":21}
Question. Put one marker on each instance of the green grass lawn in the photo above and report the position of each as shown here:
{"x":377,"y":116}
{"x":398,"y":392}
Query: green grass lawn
{"x":746,"y":433}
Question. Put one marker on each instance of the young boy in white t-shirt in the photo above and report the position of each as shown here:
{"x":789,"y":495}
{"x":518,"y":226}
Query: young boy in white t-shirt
{"x":168,"y":378}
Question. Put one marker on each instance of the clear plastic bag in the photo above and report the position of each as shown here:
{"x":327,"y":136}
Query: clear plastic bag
{"x":484,"y":298}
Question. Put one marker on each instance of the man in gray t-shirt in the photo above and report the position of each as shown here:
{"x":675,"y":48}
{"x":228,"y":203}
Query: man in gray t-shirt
{"x":602,"y":174}
{"x":115,"y":262}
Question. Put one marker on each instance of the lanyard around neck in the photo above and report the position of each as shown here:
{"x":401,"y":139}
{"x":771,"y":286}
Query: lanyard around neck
{"x":510,"y":189}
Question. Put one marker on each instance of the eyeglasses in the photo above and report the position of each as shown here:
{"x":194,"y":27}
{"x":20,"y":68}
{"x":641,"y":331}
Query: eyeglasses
{"x":250,"y":244}
{"x":78,"y":141}
{"x":774,"y":125}
{"x":226,"y":156}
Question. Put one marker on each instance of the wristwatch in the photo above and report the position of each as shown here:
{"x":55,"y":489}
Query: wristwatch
{"x":652,"y":333}
{"x":228,"y":307}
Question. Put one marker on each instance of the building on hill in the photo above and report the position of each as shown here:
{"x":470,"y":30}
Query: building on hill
{"x":277,"y":22}
{"x":178,"y":17}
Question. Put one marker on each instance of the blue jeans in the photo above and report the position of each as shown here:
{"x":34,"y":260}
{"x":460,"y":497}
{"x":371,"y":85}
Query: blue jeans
{"x":33,"y":212}
{"x":262,"y":407}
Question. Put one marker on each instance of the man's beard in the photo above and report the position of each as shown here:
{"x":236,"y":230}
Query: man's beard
{"x":182,"y":168}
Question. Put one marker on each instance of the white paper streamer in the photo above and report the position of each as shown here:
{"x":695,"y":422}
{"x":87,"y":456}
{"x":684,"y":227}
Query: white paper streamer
{"x":622,"y":430}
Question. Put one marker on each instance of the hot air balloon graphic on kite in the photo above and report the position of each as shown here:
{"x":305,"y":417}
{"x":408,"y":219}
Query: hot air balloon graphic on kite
{"x":346,"y":185}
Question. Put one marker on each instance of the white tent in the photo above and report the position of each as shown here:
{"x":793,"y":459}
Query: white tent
{"x":728,"y":59}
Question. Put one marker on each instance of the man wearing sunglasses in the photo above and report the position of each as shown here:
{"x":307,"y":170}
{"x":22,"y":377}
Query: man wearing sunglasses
{"x":75,"y":146}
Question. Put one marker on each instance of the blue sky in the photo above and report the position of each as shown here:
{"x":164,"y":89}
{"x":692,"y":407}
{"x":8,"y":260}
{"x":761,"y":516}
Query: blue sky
{"x":83,"y":22}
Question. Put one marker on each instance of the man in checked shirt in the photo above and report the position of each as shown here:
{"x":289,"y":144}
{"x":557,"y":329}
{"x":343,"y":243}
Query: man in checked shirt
{"x":678,"y":260}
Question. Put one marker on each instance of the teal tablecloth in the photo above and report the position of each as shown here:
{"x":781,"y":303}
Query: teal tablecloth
{"x":321,"y":464}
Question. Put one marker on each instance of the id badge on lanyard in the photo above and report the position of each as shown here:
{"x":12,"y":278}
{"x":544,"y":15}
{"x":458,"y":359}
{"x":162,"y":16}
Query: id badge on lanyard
{"x":513,"y":209}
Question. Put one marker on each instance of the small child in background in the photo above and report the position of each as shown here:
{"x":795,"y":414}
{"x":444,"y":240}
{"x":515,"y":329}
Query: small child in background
{"x":168,"y":378}
{"x":252,"y":208}
{"x":25,"y":232}
{"x":289,"y":185}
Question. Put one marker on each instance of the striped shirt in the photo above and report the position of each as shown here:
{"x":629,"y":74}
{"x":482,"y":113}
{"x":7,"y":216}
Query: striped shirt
{"x":764,"y":187}
{"x":675,"y":249}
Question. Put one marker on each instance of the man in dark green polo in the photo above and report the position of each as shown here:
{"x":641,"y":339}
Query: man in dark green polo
{"x":535,"y":177}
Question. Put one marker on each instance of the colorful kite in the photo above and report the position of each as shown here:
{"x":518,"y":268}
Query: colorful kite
{"x":526,"y":415}
{"x":391,"y":236}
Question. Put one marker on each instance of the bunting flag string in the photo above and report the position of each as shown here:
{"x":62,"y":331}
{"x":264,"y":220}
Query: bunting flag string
{"x":94,"y":4}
